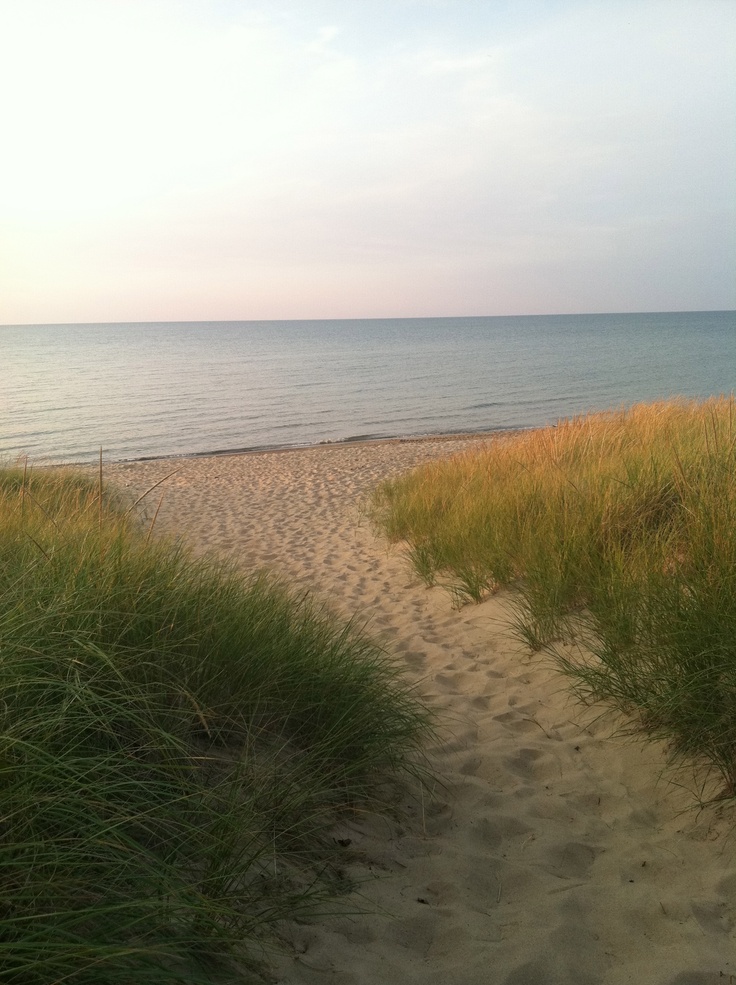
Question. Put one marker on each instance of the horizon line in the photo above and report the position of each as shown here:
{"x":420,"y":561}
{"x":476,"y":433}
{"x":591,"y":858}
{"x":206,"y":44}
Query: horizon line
{"x":240,"y":321}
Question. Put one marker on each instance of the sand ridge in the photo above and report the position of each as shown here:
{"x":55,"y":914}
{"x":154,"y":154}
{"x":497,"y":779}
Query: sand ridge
{"x":551,"y":854}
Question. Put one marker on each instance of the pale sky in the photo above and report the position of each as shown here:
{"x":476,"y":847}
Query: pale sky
{"x":254,"y":159}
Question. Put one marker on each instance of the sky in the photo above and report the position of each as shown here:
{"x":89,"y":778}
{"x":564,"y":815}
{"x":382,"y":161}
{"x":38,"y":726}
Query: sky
{"x":170,"y":160}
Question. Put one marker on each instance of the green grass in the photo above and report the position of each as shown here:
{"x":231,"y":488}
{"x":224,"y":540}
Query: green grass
{"x":617,"y":531}
{"x":175,"y":744}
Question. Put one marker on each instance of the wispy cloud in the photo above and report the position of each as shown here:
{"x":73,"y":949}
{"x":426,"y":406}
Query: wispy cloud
{"x":179,"y":159}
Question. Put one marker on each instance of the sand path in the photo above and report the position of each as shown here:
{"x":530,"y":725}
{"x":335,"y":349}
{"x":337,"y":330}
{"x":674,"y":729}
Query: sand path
{"x":553,"y":855}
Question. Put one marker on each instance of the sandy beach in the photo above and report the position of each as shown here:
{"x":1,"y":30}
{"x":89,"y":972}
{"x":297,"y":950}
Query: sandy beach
{"x":553,"y":852}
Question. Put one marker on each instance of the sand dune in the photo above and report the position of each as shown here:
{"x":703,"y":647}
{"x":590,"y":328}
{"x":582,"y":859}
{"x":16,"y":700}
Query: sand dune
{"x":553,"y":853}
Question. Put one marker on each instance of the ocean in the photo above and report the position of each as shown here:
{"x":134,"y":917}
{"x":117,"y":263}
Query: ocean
{"x":154,"y":390}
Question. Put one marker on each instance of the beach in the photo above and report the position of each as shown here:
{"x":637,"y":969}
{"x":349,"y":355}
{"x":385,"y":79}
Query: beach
{"x":551,"y":850}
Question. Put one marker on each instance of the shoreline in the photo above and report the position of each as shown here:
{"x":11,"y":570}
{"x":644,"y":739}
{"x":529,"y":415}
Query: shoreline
{"x":552,"y":851}
{"x":449,"y":436}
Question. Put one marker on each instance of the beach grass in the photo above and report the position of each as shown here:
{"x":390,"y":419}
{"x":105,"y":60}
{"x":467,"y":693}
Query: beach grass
{"x":176,"y":743}
{"x":616,"y":533}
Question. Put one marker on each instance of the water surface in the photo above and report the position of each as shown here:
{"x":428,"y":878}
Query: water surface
{"x":166,"y":389}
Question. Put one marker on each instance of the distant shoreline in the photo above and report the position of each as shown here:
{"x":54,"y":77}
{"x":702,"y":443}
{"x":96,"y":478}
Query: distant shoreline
{"x":345,"y":443}
{"x":342,"y":443}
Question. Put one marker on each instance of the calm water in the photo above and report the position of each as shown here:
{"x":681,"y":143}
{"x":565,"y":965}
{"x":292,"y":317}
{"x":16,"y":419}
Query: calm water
{"x":151,"y":390}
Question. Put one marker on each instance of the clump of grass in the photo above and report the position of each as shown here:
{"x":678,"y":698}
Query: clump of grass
{"x":617,"y":530}
{"x":175,"y":743}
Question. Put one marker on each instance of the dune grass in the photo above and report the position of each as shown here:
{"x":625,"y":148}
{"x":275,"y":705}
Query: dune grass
{"x":175,"y":744}
{"x":615,"y":530}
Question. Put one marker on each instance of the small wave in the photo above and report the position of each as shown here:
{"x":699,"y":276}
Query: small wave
{"x":361,"y":437}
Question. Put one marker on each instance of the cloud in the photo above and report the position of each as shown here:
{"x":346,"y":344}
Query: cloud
{"x":444,"y":148}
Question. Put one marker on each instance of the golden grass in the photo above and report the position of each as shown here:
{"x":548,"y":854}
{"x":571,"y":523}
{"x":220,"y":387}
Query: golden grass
{"x":614,"y":529}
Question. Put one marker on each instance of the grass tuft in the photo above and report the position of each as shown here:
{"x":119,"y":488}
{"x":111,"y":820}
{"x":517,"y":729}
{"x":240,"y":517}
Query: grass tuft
{"x":617,"y":530}
{"x":175,"y":744}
